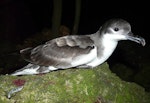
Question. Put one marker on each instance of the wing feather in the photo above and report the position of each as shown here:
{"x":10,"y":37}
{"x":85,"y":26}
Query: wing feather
{"x":61,"y":52}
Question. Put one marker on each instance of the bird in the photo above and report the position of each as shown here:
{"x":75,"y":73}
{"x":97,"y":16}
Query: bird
{"x":77,"y":51}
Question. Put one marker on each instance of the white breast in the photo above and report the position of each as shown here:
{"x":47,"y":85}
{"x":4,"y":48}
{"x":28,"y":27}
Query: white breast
{"x":109,"y":46}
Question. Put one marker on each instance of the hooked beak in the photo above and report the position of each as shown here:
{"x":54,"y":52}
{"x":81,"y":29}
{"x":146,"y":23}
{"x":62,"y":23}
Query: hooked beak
{"x":136,"y":39}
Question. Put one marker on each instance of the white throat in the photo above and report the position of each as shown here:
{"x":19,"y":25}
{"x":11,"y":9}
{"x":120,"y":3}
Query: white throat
{"x":109,"y":46}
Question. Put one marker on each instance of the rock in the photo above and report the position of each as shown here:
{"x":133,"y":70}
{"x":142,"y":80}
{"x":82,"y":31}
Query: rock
{"x":98,"y":85}
{"x":131,"y":63}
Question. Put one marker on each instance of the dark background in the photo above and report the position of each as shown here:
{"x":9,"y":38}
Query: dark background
{"x":22,"y":19}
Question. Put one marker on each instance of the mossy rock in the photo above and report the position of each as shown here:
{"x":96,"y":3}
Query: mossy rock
{"x":97,"y":85}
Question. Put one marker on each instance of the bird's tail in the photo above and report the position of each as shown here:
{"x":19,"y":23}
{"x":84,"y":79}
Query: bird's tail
{"x":27,"y":70}
{"x":32,"y":69}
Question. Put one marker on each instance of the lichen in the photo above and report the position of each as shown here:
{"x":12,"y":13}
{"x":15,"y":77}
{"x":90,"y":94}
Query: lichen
{"x":97,"y":85}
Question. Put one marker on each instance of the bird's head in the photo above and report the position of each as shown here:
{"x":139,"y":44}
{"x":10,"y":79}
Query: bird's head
{"x":119,"y":29}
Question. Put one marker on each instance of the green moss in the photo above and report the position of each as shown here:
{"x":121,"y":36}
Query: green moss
{"x":74,"y":86}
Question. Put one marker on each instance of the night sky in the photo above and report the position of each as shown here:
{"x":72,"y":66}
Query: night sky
{"x":22,"y":18}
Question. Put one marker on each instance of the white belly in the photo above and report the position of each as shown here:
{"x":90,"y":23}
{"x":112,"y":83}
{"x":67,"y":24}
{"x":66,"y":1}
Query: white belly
{"x":109,"y":47}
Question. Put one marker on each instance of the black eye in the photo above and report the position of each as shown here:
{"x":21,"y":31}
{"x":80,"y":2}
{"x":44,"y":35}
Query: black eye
{"x":116,"y":29}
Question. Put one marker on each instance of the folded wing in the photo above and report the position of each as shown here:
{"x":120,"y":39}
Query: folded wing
{"x":64,"y":52}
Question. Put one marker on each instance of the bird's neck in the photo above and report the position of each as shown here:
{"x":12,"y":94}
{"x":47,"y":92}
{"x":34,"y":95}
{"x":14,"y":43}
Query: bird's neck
{"x":107,"y":46}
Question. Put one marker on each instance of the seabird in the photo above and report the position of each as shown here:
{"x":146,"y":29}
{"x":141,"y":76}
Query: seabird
{"x":80,"y":51}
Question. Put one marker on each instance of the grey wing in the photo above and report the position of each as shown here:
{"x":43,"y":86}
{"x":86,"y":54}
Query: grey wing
{"x":64,"y":52}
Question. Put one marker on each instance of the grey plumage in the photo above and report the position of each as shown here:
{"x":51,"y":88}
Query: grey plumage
{"x":77,"y":50}
{"x":59,"y":52}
